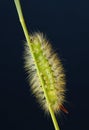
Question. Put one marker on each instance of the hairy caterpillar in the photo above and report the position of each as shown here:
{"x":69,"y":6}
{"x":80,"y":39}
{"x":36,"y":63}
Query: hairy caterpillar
{"x":46,"y":74}
{"x":50,"y":69}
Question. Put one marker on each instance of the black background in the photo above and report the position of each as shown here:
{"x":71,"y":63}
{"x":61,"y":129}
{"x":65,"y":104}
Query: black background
{"x":66,"y":24}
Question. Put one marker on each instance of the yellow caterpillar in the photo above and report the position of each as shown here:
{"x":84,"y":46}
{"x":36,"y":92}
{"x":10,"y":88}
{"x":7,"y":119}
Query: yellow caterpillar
{"x":50,"y":71}
{"x":45,"y":71}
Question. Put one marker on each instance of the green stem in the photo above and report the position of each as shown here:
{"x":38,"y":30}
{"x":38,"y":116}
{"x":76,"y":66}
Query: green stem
{"x":22,"y":21}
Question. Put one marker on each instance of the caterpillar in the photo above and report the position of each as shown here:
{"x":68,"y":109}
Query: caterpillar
{"x":51,"y":72}
{"x":45,"y":70}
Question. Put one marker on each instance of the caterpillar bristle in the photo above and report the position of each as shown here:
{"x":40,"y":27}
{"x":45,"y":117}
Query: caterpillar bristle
{"x":51,"y":72}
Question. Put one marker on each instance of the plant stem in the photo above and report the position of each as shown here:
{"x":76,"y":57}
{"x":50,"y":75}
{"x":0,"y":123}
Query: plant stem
{"x":21,"y":18}
{"x":22,"y":21}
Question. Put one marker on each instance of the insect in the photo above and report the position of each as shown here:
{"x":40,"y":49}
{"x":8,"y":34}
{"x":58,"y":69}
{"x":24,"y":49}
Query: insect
{"x":50,"y":72}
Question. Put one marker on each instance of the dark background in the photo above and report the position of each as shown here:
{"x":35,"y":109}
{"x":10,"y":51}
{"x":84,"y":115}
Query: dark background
{"x":66,"y":24}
